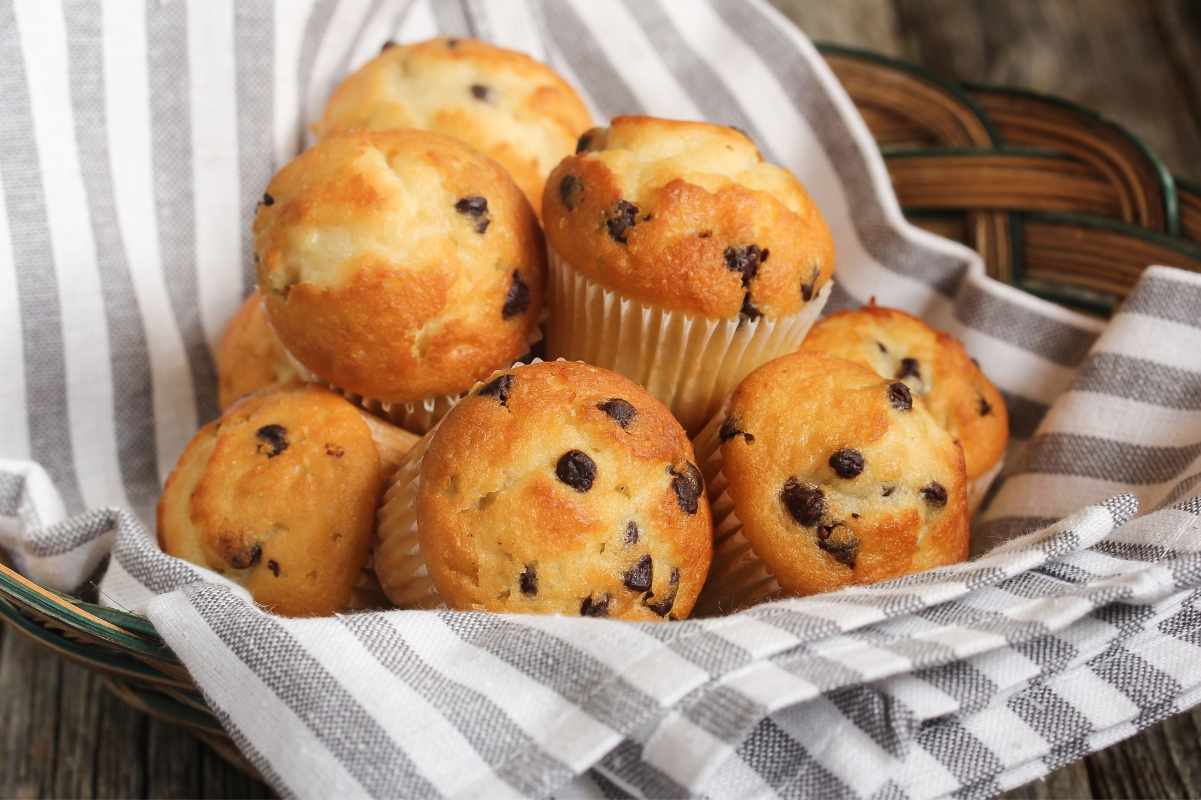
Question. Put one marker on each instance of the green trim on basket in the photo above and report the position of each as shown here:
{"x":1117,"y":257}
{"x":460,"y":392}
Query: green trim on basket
{"x":950,"y":87}
{"x":83,"y":652}
{"x":117,"y":638}
{"x":1077,"y":297}
{"x":1167,"y":183}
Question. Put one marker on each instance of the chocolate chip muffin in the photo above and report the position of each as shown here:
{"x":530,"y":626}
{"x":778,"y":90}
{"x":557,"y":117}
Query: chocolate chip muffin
{"x":936,"y":368}
{"x":249,"y":356}
{"x":822,"y":475}
{"x":681,"y":259}
{"x":553,"y":488}
{"x":399,"y":267}
{"x":504,"y":104}
{"x":279,"y":495}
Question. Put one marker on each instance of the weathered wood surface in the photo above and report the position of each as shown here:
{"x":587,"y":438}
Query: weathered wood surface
{"x":63,"y":735}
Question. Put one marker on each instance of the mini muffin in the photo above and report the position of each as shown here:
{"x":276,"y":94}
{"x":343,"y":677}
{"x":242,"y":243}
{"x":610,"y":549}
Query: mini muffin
{"x":936,"y":368}
{"x":279,"y":495}
{"x":823,"y":475}
{"x":504,"y":104}
{"x":250,"y":357}
{"x":399,"y":267}
{"x":681,"y":259}
{"x":554,"y":488}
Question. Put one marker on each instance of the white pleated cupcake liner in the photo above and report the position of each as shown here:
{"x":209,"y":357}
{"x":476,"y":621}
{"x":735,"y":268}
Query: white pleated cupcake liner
{"x":737,"y":577}
{"x":690,"y":363}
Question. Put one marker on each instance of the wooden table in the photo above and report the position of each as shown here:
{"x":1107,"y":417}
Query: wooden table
{"x":63,"y":735}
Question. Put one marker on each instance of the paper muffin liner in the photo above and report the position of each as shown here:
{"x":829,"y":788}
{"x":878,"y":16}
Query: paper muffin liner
{"x":399,"y":563}
{"x":690,"y":363}
{"x":738,"y":578}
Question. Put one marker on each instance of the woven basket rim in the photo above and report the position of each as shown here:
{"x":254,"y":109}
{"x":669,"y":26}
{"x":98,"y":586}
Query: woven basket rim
{"x":1167,"y":180}
{"x":950,"y":87}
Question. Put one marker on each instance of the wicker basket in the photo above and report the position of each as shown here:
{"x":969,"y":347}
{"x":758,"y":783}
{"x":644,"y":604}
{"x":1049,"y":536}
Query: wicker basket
{"x":1059,"y":201}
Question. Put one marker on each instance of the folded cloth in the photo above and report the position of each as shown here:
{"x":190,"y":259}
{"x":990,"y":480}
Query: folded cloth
{"x":135,"y":149}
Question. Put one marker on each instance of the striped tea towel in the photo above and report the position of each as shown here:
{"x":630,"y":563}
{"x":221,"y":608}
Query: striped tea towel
{"x":134,"y":148}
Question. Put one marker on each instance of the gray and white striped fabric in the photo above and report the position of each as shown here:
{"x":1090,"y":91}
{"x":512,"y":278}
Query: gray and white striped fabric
{"x":134,"y":143}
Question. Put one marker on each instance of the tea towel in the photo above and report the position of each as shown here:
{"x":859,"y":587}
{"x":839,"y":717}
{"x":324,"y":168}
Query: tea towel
{"x":135,"y":147}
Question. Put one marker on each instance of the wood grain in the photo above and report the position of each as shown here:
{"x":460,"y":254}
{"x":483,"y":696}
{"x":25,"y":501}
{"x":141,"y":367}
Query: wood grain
{"x":1139,"y":63}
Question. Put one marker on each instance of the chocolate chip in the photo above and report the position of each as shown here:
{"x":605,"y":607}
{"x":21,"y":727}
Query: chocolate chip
{"x":704,"y":234}
{"x":595,"y":607}
{"x":806,"y":504}
{"x":899,"y":396}
{"x":499,"y":387}
{"x":570,"y":189}
{"x":807,"y":288}
{"x":840,"y":543}
{"x":388,"y":45}
{"x":985,"y":407}
{"x":479,"y":91}
{"x":631,"y":535}
{"x":268,"y":200}
{"x":638,"y":577}
{"x":273,"y":440}
{"x":581,"y":144}
{"x":274,"y":567}
{"x":883,"y":349}
{"x":619,"y":410}
{"x":847,"y":463}
{"x":576,"y":469}
{"x":475,"y":207}
{"x":452,"y":43}
{"x":745,"y":261}
{"x":730,"y":428}
{"x":887,"y":491}
{"x":529,"y":580}
{"x":748,"y":310}
{"x":688,"y":485}
{"x":517,"y":299}
{"x":622,"y":217}
{"x":663,"y":607}
{"x":975,"y":363}
{"x":935,"y":494}
{"x":247,"y":558}
{"x":334,"y":450}
{"x":909,"y":368}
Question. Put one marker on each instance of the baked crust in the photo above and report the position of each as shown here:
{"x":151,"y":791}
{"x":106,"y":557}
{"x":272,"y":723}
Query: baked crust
{"x":687,"y":216}
{"x":510,"y":518}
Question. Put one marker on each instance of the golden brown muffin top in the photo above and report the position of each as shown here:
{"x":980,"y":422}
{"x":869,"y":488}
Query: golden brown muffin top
{"x":278,"y":495}
{"x":249,"y":356}
{"x":399,"y":265}
{"x":687,"y":216}
{"x":564,"y":488}
{"x":935,"y":367}
{"x":840,"y":477}
{"x":505,"y":104}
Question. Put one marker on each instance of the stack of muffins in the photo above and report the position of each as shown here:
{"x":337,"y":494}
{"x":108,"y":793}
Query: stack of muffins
{"x":484,"y":333}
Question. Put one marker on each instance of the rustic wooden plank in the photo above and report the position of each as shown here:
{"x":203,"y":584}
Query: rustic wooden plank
{"x":1107,"y":55}
{"x":29,"y":677}
{"x":868,"y":24}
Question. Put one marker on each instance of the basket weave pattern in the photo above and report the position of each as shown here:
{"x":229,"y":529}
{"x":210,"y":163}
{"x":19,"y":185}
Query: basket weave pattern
{"x":1058,"y":201}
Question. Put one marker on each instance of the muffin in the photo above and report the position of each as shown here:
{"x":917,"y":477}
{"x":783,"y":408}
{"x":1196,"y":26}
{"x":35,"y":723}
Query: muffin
{"x":399,"y":267}
{"x":504,"y":104}
{"x":680,"y":259}
{"x":554,"y":488}
{"x":937,"y":369}
{"x":280,"y":494}
{"x":823,"y":475}
{"x":249,"y":356}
